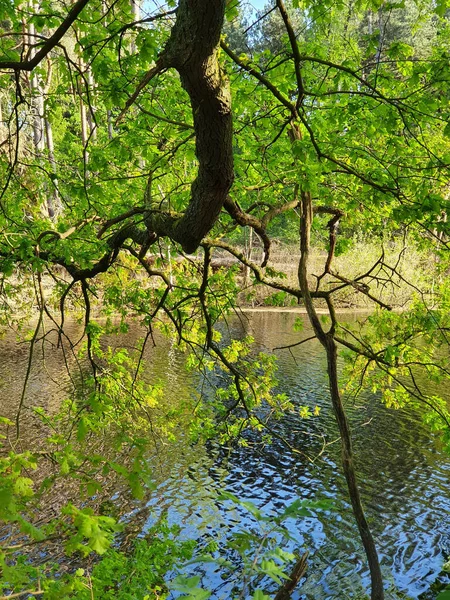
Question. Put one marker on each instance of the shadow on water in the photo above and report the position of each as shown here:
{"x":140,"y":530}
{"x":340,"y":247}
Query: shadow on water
{"x":403,"y":472}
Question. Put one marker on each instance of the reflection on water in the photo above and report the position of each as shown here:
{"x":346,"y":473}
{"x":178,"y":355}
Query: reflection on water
{"x":404,"y":474}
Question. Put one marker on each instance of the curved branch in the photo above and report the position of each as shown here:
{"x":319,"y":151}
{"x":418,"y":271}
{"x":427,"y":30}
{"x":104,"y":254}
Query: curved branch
{"x":295,"y":52}
{"x":247,"y":220}
{"x":259,"y":274}
{"x":193,"y":49}
{"x":261,"y":78}
{"x":259,"y":225}
{"x":52,"y":41}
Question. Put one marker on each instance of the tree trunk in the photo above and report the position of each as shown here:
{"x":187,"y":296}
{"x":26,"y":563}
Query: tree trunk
{"x":3,"y":135}
{"x":193,"y":50}
{"x":248,"y":255}
{"x":54,"y":201}
{"x":37,"y":100}
{"x":91,"y":112}
{"x":83,"y":116}
{"x":110,"y":124}
{"x":326,"y":338}
{"x":377,"y":591}
{"x":136,"y":14}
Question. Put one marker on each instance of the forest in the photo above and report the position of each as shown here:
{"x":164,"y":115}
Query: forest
{"x":225,"y":299}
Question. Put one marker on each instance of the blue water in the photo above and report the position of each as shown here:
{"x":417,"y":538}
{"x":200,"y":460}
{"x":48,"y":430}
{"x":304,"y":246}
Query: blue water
{"x":402,"y":470}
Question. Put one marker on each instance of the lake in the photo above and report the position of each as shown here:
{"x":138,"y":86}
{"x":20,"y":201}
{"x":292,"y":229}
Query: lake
{"x":402,"y":469}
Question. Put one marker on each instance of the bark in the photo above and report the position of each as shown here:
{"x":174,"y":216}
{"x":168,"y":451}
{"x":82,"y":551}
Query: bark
{"x":85,"y":132}
{"x":248,"y":255}
{"x":110,"y":125}
{"x":327,"y":340}
{"x":193,"y":50}
{"x":54,"y":201}
{"x":91,"y":111}
{"x":42,"y":129}
{"x":136,"y":14}
{"x":38,"y":112}
{"x":285,"y":592}
{"x":377,"y":591}
{"x":109,"y":117}
{"x":37,"y":100}
{"x":3,"y":134}
{"x":247,"y":220}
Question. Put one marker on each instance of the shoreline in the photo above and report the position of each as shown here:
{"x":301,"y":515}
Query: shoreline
{"x":302,"y":310}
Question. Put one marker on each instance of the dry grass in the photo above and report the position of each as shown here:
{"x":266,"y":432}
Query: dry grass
{"x":411,"y":271}
{"x":415,"y":271}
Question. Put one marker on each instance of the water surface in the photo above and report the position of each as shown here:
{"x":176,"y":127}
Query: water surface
{"x":402,"y":469}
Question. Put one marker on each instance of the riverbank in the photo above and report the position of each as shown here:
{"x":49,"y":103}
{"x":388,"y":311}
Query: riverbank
{"x":365,"y":274}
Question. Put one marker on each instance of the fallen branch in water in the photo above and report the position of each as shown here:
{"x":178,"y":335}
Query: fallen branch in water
{"x":284,"y":593}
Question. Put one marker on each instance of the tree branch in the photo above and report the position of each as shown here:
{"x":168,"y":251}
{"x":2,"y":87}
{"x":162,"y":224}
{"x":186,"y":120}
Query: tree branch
{"x":247,"y":220}
{"x":261,"y":78}
{"x":52,"y":41}
{"x":295,"y":52}
{"x":192,"y":49}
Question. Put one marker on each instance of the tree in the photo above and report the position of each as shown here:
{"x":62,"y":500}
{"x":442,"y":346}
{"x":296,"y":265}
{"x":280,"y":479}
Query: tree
{"x":321,"y":125}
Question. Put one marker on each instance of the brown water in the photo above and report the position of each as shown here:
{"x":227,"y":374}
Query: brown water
{"x":404,"y":473}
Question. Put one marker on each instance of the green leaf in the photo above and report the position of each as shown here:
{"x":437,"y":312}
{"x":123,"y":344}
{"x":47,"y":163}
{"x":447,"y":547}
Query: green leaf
{"x":298,"y":324}
{"x":188,"y":586}
{"x":82,"y":429}
{"x":232,"y":10}
{"x":260,"y":595}
{"x":441,"y":7}
{"x":272,"y":570}
{"x":23,"y":486}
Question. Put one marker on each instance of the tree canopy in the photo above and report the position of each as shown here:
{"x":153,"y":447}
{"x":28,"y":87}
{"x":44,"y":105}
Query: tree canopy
{"x":139,"y":144}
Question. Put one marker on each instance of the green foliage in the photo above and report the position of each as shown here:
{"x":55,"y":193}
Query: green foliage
{"x":405,"y":359}
{"x":189,"y":587}
{"x":98,"y":531}
{"x":258,"y":548}
{"x":137,"y":574}
{"x":140,"y":572}
{"x":279,"y":299}
{"x":356,"y":116}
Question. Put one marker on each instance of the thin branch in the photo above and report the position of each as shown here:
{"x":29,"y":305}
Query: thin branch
{"x":289,"y":346}
{"x":23,"y":593}
{"x":30,"y":358}
{"x":29,"y":65}
{"x":261,"y":78}
{"x":295,"y":52}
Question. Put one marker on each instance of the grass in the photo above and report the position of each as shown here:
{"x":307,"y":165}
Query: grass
{"x":406,"y":271}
